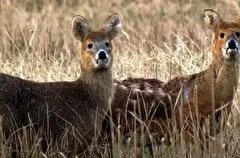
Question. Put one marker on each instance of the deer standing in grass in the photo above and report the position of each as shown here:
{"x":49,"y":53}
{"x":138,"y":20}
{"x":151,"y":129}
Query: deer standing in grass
{"x":207,"y":94}
{"x":74,"y":110}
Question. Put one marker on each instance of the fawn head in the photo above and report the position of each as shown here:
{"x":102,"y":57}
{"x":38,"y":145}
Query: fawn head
{"x":96,"y":46}
{"x":226,"y":38}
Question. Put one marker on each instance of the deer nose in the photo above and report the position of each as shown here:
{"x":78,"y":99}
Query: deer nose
{"x":232,"y":44}
{"x":102,"y":55}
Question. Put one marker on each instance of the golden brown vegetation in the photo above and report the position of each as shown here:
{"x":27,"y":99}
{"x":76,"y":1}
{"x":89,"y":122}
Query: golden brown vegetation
{"x":160,"y":39}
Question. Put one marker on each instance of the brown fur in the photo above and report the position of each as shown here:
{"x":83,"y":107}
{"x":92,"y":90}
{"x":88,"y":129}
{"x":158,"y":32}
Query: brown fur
{"x":193,"y":97}
{"x":74,"y":110}
{"x":139,"y":98}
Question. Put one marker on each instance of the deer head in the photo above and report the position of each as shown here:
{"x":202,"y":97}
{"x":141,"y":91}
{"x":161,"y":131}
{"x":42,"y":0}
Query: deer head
{"x":226,"y":38}
{"x":96,"y":46}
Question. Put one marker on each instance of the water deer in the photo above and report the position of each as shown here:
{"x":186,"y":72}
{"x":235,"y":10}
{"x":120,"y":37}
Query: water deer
{"x":191,"y":98}
{"x":73,"y":110}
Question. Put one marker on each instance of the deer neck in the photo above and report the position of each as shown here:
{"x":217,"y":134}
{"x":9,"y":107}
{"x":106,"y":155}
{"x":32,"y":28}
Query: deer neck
{"x":100,"y":84}
{"x":219,"y":81}
{"x":226,"y":76}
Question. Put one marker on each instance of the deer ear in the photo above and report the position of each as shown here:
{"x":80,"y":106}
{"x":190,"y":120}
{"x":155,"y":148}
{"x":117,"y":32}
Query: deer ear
{"x":80,"y":27}
{"x":113,"y":25}
{"x":212,"y":19}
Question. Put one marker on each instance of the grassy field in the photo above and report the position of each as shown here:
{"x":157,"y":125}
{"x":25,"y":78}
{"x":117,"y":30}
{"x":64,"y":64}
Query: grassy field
{"x":160,"y":39}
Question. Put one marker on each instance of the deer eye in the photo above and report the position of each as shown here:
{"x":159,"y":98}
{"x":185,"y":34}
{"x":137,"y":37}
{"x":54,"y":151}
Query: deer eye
{"x":222,"y":35}
{"x":237,"y":34}
{"x":107,"y":44}
{"x":90,"y":46}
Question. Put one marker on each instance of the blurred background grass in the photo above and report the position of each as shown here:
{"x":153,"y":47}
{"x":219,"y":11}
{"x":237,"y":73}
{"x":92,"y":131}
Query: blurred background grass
{"x":160,"y":39}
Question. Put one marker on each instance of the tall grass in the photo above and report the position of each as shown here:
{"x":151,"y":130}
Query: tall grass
{"x":160,"y":39}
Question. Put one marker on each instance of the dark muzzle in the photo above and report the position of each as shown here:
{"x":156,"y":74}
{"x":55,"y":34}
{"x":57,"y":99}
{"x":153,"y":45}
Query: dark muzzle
{"x":102,"y":55}
{"x":232,"y":44}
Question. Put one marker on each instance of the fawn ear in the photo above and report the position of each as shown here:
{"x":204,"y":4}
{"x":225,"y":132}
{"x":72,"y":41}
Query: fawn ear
{"x":212,"y":19}
{"x":80,"y":27}
{"x":113,"y":25}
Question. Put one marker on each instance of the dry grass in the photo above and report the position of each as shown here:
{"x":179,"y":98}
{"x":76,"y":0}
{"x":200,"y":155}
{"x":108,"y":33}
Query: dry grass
{"x":160,"y":39}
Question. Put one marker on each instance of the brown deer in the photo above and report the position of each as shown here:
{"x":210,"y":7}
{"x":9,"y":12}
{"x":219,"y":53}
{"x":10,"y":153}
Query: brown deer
{"x":207,"y":94}
{"x":74,"y":110}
